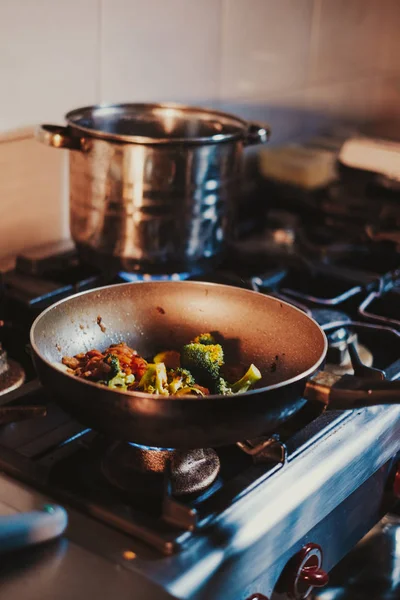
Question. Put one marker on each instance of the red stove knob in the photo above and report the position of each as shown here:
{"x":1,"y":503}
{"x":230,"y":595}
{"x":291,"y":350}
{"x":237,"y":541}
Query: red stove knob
{"x":307,"y":572}
{"x":257,"y":597}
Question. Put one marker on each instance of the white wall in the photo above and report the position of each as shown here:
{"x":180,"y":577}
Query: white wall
{"x":284,"y":61}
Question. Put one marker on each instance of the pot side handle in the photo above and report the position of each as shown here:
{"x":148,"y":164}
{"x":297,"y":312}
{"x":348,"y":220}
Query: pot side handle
{"x":257,"y":134}
{"x":59,"y":137}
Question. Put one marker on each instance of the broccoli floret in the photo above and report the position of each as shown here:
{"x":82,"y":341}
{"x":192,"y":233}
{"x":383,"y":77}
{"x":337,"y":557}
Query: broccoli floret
{"x":116,"y":378}
{"x":203,"y":361}
{"x":222,"y":387}
{"x":121,"y":381}
{"x":154,"y":380}
{"x":113,"y":362}
{"x":178,"y":379}
{"x":251,"y":377}
{"x":204,"y":338}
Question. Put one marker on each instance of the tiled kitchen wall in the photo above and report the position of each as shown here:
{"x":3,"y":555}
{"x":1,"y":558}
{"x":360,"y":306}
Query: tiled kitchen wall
{"x":293,"y":63}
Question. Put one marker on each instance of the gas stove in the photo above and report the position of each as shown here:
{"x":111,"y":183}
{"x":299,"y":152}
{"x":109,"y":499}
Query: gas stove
{"x":265,"y":518}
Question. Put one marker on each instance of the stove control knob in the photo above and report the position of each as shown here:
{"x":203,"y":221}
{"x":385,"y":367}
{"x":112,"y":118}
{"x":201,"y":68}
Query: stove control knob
{"x":307,"y":572}
{"x":257,"y":596}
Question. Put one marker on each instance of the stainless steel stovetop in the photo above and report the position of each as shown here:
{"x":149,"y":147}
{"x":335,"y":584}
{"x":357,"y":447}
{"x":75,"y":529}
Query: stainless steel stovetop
{"x":306,"y":495}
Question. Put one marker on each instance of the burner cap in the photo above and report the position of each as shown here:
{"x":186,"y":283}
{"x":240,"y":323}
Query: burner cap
{"x":140,"y":469}
{"x":193,"y":471}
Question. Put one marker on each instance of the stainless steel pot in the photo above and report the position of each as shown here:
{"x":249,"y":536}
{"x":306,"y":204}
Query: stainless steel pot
{"x":152,"y":186}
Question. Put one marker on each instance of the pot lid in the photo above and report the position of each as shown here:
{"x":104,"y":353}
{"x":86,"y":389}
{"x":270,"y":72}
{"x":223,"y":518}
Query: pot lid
{"x":157,"y":123}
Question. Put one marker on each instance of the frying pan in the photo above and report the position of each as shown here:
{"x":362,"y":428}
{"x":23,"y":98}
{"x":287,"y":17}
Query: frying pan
{"x":284,"y":343}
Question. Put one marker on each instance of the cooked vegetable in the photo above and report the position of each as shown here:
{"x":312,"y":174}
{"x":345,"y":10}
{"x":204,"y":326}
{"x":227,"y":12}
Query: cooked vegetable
{"x":222,"y":387}
{"x":121,"y":381}
{"x":251,"y":377}
{"x":154,"y":380}
{"x":203,"y":361}
{"x":117,"y":378}
{"x":113,"y":361}
{"x":138,"y":366}
{"x":178,"y":379}
{"x":205,"y":338}
{"x":195,"y":371}
{"x":189,"y":391}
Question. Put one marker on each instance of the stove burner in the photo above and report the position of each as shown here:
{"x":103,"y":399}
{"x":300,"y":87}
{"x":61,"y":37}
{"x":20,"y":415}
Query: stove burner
{"x":12,"y":374}
{"x":135,"y":277}
{"x":134,"y":468}
{"x":338,"y":357}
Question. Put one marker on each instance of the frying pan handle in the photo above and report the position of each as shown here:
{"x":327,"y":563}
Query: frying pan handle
{"x":353,"y":392}
{"x":349,"y":392}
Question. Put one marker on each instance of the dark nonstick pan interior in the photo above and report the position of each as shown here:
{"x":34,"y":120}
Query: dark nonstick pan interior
{"x":285,"y":344}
